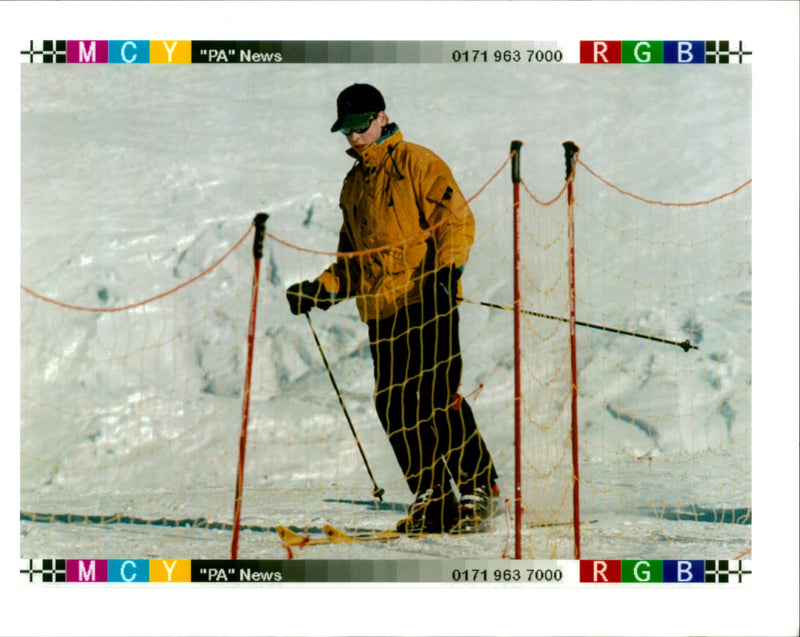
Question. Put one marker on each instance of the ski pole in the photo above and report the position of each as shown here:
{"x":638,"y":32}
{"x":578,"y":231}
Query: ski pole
{"x":377,"y":492}
{"x":685,"y":345}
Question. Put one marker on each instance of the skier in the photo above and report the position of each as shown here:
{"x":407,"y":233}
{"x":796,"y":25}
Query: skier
{"x":403,"y":244}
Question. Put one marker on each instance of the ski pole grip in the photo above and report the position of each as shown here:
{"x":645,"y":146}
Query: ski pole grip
{"x":570,"y":150}
{"x":516,"y":148}
{"x":258,"y":243}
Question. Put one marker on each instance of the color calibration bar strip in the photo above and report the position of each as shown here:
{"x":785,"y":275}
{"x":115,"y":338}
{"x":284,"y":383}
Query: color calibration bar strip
{"x":364,"y":52}
{"x":522,"y":573}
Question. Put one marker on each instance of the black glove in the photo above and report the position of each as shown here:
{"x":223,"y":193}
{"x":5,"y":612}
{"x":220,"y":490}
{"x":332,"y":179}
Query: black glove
{"x":303,"y":296}
{"x":440,"y":290}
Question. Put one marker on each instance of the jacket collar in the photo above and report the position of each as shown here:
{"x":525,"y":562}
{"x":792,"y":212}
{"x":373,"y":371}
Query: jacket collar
{"x":376,"y":154}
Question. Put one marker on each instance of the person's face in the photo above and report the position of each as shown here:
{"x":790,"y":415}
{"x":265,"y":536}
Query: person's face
{"x":361,"y":140}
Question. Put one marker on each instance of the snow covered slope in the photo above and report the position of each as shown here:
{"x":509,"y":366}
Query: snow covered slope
{"x":136,"y":179}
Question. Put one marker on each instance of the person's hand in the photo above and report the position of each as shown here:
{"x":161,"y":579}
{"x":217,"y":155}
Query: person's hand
{"x":305,"y":295}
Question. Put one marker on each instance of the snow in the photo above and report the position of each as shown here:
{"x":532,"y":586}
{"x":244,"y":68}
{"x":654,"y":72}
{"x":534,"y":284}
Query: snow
{"x":136,"y":179}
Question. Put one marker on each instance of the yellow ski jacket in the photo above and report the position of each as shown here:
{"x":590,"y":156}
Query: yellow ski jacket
{"x":403,"y":217}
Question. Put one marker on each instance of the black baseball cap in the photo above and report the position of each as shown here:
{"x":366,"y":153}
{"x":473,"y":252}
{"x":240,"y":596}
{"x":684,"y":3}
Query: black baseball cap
{"x":355,"y":105}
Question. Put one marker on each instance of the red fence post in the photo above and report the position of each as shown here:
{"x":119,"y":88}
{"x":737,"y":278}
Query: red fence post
{"x":516,"y":147}
{"x":258,"y":251}
{"x":571,"y":153}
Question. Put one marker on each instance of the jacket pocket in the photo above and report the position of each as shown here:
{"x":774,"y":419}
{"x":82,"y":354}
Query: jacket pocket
{"x":440,"y":192}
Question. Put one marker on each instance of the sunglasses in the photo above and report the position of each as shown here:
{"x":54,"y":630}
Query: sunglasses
{"x":361,"y":130}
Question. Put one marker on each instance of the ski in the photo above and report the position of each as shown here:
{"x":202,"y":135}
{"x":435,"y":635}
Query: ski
{"x":337,"y":536}
{"x":333,"y":535}
{"x":292,"y":538}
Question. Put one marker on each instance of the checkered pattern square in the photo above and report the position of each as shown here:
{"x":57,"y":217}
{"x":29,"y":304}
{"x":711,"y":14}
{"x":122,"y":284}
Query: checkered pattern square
{"x":47,"y":52}
{"x":45,"y":571}
{"x":717,"y":52}
{"x":722,"y":52}
{"x":725,"y":572}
